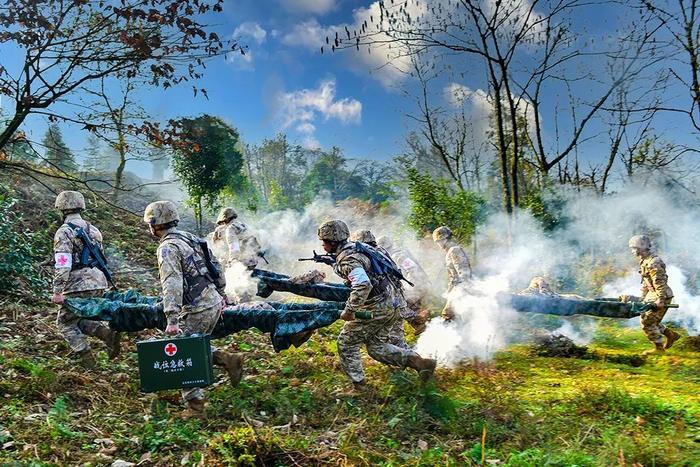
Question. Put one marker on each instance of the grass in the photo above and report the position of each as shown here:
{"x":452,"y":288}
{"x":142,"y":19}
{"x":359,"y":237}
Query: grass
{"x":290,"y":409}
{"x":520,"y":409}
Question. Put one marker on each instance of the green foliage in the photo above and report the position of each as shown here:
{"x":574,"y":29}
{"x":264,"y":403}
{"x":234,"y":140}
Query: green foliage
{"x":58,"y":155}
{"x":18,"y":254}
{"x":548,"y":206}
{"x":434,"y":203}
{"x":213,"y":164}
{"x":59,"y":420}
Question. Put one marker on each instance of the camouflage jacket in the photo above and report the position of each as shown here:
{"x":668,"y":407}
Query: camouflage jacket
{"x":69,"y":277}
{"x":238,"y":242}
{"x":369,"y":291}
{"x":458,"y":268}
{"x":183,"y":276}
{"x":413,"y":272}
{"x":654,"y":279}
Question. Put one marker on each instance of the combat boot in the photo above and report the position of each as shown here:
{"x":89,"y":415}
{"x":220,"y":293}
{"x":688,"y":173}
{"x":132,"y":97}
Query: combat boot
{"x":658,"y":349}
{"x":87,"y":359}
{"x":424,"y":366}
{"x":671,"y":337}
{"x":358,"y":388}
{"x":196,"y":408}
{"x":232,"y":363}
{"x":112,"y":340}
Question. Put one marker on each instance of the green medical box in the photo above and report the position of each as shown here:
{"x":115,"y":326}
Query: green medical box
{"x":175,"y":363}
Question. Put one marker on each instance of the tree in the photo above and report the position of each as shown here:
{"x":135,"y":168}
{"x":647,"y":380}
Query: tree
{"x":94,"y":156}
{"x":331,"y":173}
{"x":68,"y":46}
{"x":209,"y":162}
{"x":433,"y":204}
{"x":530,"y":52}
{"x":58,"y":155}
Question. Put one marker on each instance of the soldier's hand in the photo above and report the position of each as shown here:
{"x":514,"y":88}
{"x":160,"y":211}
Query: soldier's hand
{"x":347,"y":315}
{"x":660,"y":304}
{"x":448,"y":314}
{"x":57,"y":298}
{"x":172,"y":329}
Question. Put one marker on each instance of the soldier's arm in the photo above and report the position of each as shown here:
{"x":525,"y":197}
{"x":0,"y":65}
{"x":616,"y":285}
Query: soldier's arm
{"x":171,"y":280}
{"x":460,"y":261}
{"x":659,"y":278}
{"x":233,"y":243}
{"x":63,"y":259}
{"x":360,"y":285}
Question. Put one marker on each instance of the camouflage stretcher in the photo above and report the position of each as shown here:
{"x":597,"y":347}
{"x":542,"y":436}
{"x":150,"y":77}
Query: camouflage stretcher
{"x":131,"y":312}
{"x":549,"y":304}
{"x":269,"y":282}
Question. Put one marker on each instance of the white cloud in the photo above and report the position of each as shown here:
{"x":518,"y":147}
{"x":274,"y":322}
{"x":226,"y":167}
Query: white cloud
{"x":309,"y":34}
{"x":241,"y":61}
{"x":316,"y":7}
{"x":252,"y":30}
{"x":300,"y":109}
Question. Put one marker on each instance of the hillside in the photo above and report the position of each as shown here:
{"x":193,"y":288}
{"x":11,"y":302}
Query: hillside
{"x":608,"y":407}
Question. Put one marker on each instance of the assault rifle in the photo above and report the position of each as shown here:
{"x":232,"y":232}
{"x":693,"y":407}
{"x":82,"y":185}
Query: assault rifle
{"x":261,"y":254}
{"x":325,"y":259}
{"x":92,"y":255}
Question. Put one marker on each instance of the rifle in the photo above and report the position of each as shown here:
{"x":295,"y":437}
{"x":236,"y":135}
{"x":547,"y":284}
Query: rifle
{"x":261,"y":254}
{"x":325,"y":259}
{"x":381,"y":264}
{"x":92,"y":255}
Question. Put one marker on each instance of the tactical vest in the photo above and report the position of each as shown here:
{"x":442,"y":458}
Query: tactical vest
{"x":81,"y":254}
{"x":208,"y":271}
{"x":380,"y":282}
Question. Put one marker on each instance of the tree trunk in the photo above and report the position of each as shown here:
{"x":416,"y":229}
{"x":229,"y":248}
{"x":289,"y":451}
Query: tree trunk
{"x":503,"y":151}
{"x":14,"y":124}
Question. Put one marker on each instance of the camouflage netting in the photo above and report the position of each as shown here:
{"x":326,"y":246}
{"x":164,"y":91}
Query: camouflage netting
{"x":129,"y":311}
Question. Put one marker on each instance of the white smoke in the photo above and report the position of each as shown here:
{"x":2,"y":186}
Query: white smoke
{"x":586,"y":256}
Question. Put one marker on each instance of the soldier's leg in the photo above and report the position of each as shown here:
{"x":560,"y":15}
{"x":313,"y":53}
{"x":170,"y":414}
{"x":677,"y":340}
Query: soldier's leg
{"x":69,"y":325}
{"x":378,"y":342}
{"x":397,"y":334}
{"x":199,"y":323}
{"x":651,"y":325}
{"x":351,"y":337}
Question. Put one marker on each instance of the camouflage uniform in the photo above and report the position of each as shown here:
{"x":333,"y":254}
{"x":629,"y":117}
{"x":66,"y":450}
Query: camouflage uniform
{"x":376,"y":294}
{"x":654,"y":287}
{"x":189,"y":298}
{"x":459,"y":270}
{"x":81,"y":282}
{"x":236,"y":239}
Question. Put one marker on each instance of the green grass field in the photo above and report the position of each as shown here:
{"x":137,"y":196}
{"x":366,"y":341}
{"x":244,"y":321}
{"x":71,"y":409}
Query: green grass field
{"x":293,"y":408}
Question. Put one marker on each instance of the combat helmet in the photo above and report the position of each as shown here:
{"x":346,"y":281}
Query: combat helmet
{"x":442,"y":233}
{"x":364,"y":236}
{"x":67,"y":200}
{"x":226,"y":214}
{"x":640,"y":242}
{"x":333,"y":231}
{"x":160,"y":212}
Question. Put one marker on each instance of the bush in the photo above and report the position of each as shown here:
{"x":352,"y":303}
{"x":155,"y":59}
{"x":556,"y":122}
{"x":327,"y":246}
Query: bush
{"x":434,"y":203}
{"x":18,"y":252}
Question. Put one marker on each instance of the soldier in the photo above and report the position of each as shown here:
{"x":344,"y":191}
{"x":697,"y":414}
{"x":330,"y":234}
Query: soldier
{"x":654,"y":289}
{"x":74,"y":279}
{"x":192,"y":299}
{"x":414,"y":273}
{"x":459,"y":270}
{"x":240,"y":244}
{"x":373,"y":292}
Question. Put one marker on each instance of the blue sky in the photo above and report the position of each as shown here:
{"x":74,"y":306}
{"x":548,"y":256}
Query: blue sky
{"x":284,"y":84}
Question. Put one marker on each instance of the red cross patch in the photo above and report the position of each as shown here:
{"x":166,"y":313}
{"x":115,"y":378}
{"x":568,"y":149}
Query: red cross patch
{"x":170,"y":349}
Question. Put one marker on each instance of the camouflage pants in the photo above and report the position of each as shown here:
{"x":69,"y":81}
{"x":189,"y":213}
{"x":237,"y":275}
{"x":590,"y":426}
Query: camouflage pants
{"x":202,"y":322}
{"x":75,"y":329}
{"x":397,"y":334}
{"x":374,"y":334}
{"x":651,"y":325}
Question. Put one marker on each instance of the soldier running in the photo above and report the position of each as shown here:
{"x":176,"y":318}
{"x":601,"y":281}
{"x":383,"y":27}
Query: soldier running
{"x":654,"y":289}
{"x":192,"y":299}
{"x":459,"y":270}
{"x":372,"y":292}
{"x":72,"y":278}
{"x":240,"y":244}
